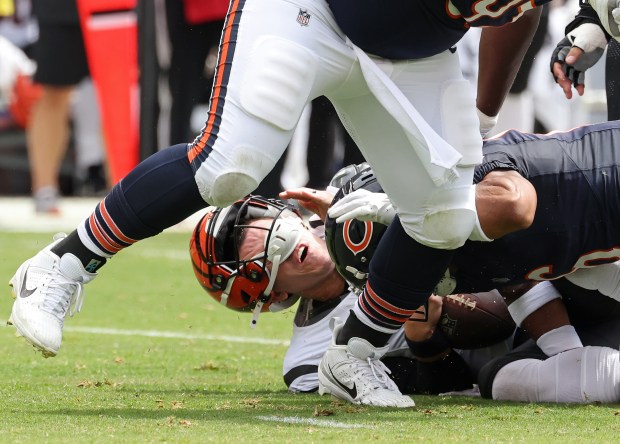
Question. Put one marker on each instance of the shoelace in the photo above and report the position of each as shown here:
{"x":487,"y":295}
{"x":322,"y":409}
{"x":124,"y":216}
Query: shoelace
{"x":63,"y":295}
{"x":379,"y":372}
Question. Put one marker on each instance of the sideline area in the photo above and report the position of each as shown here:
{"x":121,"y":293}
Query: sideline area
{"x":17,"y":215}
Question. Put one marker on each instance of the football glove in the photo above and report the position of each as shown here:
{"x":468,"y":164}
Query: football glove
{"x":362,"y":204}
{"x":588,"y":37}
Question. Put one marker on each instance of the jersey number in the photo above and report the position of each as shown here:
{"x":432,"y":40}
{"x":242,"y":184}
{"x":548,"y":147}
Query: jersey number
{"x":589,"y":260}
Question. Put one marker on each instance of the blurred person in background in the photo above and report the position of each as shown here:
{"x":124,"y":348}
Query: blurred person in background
{"x":61,"y":65}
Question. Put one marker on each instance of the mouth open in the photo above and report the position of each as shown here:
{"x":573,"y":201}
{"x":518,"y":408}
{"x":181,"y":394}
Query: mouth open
{"x":303,"y":253}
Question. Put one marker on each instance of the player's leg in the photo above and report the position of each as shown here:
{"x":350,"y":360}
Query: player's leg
{"x":158,"y":193}
{"x":263,"y":82}
{"x":582,"y":375}
{"x":416,"y":249}
{"x":258,"y":99}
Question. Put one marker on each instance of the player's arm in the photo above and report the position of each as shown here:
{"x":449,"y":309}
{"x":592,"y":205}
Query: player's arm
{"x":439,"y":368}
{"x":579,"y":50}
{"x":538,"y":309}
{"x":501,"y":52}
{"x":422,"y":333}
{"x":506,"y":202}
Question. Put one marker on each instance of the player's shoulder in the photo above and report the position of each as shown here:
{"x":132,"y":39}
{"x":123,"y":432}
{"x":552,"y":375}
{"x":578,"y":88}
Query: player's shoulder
{"x":311,"y":311}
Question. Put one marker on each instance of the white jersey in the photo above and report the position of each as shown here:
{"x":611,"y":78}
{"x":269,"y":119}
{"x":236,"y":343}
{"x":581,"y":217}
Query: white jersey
{"x":310,"y":341}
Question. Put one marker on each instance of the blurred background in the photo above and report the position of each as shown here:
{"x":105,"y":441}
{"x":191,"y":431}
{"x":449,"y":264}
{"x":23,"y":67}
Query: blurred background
{"x":146,"y":86}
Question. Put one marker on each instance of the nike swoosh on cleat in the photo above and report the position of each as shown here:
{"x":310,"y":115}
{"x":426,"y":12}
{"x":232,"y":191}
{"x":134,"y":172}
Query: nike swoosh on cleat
{"x":351,"y":391}
{"x":25,"y":292}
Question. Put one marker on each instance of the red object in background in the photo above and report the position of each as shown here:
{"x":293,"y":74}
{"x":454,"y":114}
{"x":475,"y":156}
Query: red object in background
{"x":202,"y":11}
{"x":24,"y":95}
{"x":111,"y":41}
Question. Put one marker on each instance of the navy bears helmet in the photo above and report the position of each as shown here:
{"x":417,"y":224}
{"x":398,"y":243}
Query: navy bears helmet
{"x":352,"y":243}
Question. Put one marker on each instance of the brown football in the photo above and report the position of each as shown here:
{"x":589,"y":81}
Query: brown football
{"x":474,"y":320}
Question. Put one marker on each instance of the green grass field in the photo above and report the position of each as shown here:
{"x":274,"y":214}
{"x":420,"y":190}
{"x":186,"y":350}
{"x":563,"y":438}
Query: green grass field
{"x":152,"y":358}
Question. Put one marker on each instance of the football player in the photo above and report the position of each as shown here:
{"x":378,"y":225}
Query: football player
{"x":258,"y":255}
{"x":574,"y":236}
{"x":228,"y":242}
{"x":394,"y":78}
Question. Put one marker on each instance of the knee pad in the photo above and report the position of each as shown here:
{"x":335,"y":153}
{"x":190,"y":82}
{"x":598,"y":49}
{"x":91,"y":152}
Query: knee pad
{"x":448,"y":220}
{"x":460,"y":124}
{"x":278,"y":78}
{"x":230,"y":187}
{"x":223,"y":183}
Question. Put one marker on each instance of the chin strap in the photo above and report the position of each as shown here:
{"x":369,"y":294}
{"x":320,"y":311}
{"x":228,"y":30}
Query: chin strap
{"x":267,"y":293}
{"x":279,"y":245}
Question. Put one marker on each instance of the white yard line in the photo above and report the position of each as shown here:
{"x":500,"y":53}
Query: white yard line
{"x":314,"y":422}
{"x":173,"y":335}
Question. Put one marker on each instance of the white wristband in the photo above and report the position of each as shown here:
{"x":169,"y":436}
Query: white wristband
{"x":487,"y":123}
{"x":532,"y":300}
{"x":558,"y":340}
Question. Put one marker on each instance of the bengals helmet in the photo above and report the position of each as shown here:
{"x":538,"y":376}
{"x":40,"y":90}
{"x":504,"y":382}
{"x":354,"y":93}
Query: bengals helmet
{"x":243,"y":284}
{"x":352,"y":243}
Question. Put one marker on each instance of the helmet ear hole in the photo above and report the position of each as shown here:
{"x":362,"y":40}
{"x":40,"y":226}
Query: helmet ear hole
{"x":245,"y":297}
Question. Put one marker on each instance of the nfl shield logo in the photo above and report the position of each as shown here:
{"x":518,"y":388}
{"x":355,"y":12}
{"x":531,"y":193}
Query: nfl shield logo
{"x":447,"y":324}
{"x":303,"y":18}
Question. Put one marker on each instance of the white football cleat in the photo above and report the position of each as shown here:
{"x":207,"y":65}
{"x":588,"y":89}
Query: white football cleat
{"x":355,"y":373}
{"x":45,"y":287}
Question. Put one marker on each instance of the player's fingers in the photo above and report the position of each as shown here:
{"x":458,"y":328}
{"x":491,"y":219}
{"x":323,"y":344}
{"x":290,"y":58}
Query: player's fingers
{"x":435,"y":304}
{"x":562,"y":80}
{"x":349,"y":202}
{"x":573,"y":55}
{"x":349,"y":215}
{"x":341,"y":208}
{"x":558,"y":72}
{"x":296,"y":193}
{"x":580,"y":89}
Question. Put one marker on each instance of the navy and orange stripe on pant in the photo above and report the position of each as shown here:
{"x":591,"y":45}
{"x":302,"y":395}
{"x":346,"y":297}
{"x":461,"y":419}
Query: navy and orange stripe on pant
{"x":199,"y":150}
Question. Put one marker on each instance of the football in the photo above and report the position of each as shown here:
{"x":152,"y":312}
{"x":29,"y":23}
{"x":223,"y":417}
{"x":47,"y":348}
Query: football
{"x":475,"y":320}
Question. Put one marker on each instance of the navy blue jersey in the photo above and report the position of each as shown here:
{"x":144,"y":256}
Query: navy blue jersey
{"x":413,"y":29}
{"x":576,"y":175}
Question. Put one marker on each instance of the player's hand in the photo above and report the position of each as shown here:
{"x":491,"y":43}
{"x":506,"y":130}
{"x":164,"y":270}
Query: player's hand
{"x":417,"y":330}
{"x":317,"y":201}
{"x":363,"y":205}
{"x":575,"y":54}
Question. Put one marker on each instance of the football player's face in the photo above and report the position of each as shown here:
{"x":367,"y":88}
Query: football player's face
{"x":303,"y":269}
